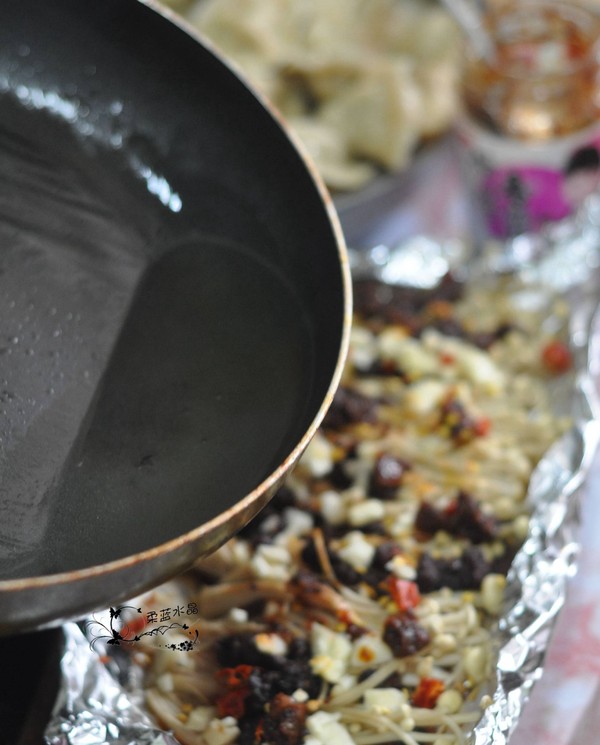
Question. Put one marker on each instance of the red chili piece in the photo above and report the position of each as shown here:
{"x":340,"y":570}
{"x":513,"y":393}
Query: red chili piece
{"x":482,"y":427}
{"x":427,"y":693}
{"x":557,"y":357}
{"x":232,"y":703}
{"x":404,"y":593}
{"x":234,"y":677}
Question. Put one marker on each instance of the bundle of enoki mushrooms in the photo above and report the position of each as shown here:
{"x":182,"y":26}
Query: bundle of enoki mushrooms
{"x":359,"y":607}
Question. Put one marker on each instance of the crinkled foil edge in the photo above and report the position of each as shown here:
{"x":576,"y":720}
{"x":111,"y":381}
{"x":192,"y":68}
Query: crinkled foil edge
{"x":537,"y":581}
{"x":92,"y":708}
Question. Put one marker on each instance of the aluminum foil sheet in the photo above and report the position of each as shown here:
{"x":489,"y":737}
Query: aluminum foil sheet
{"x":94,"y":709}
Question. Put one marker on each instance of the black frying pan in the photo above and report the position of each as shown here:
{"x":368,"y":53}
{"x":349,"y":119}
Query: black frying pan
{"x":174,"y":305}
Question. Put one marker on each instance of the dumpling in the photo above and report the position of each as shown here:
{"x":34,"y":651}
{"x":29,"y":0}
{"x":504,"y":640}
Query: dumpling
{"x":379,"y":116}
{"x":329,"y":151}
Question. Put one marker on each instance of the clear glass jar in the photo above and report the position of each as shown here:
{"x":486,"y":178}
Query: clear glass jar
{"x":530,"y":121}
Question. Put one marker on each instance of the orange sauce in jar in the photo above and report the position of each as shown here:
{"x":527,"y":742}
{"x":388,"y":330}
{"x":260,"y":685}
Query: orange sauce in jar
{"x":529,"y":127}
{"x":543,"y":81}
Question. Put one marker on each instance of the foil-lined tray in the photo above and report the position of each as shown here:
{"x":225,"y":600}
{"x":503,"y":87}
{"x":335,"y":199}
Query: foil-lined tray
{"x":93,"y":708}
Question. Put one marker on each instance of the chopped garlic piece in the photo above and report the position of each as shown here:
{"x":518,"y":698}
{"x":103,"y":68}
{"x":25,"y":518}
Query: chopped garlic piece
{"x":400,"y":568}
{"x":271,"y":562}
{"x":332,"y":507}
{"x":318,"y":456}
{"x":475,"y":661}
{"x":365,"y":512}
{"x":327,"y":729}
{"x":165,"y":683}
{"x":221,"y":731}
{"x":423,"y":396}
{"x":384,"y":700}
{"x":357,"y":551}
{"x":363,"y":348}
{"x":492,"y":593}
{"x":444,"y":643}
{"x":200,"y":717}
{"x":449,"y":701}
{"x":297,"y":522}
{"x":345,"y":683}
{"x":409,"y":354}
{"x":331,"y":653}
{"x":270,"y":644}
{"x":369,"y":650}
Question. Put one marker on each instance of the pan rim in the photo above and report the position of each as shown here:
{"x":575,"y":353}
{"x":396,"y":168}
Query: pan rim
{"x":107,"y":568}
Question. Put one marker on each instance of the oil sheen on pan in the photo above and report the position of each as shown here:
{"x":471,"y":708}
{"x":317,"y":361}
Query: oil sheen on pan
{"x":116,"y":332}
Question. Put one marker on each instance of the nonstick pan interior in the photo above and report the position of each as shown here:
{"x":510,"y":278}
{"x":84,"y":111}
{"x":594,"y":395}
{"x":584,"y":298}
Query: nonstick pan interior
{"x":174,"y":304}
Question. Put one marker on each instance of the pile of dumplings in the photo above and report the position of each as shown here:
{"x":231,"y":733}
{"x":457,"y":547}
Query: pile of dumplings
{"x":363,"y":82}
